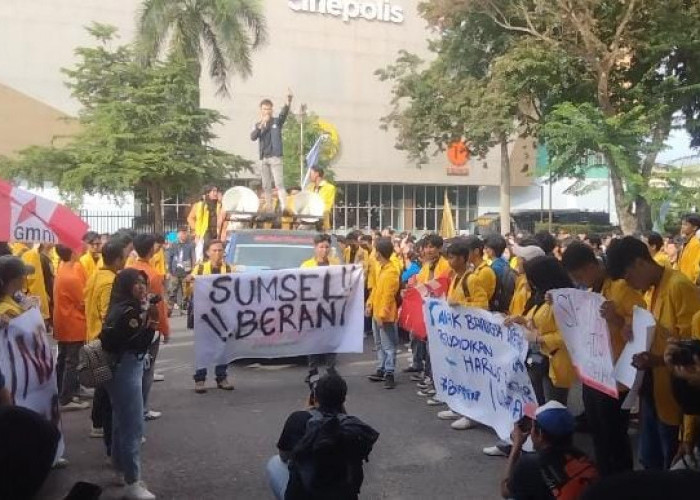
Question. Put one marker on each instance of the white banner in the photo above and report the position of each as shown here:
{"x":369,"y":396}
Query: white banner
{"x":274,"y":314}
{"x":479,"y":365}
{"x":27,"y":362}
{"x":587,"y":337}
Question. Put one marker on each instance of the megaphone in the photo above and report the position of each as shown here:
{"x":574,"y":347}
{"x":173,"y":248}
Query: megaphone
{"x":241,"y":203}
{"x":309,"y":207}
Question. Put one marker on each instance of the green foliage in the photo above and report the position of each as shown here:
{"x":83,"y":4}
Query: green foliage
{"x":222,"y":33}
{"x":291,"y":134}
{"x":141,"y":128}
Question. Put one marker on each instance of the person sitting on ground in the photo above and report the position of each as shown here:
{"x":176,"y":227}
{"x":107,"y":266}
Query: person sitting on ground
{"x":304,"y":470}
{"x":557,"y":469}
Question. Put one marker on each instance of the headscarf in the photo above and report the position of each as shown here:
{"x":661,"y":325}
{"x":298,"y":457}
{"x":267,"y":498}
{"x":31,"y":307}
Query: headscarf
{"x":124,"y":284}
{"x":544,"y":274}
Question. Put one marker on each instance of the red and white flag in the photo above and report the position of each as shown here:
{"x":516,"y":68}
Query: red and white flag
{"x":29,"y":218}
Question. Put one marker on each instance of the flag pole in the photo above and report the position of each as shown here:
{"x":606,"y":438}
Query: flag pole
{"x":301,"y":144}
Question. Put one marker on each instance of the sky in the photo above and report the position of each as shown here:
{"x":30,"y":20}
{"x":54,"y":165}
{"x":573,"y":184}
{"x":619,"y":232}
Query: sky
{"x":678,"y":147}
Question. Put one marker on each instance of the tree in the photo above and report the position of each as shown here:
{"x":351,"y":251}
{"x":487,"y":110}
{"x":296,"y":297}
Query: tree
{"x":313,"y":129}
{"x":639,"y":58}
{"x":141,"y":128}
{"x":224,"y":33}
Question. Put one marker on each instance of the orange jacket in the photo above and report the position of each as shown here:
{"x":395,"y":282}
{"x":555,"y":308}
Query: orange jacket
{"x":156,"y":286}
{"x":69,"y":324}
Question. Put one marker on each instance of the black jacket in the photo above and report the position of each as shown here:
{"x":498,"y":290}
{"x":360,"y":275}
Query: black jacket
{"x":125,"y":329}
{"x":188,"y":256}
{"x":270,"y":138}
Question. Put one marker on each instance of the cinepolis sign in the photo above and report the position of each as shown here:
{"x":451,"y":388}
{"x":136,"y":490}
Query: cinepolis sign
{"x":349,"y":10}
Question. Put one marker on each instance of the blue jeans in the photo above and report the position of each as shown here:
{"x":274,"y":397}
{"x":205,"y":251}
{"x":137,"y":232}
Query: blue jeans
{"x":386,"y":350}
{"x":221,"y":372}
{"x":277,"y":476}
{"x":658,"y":442}
{"x":125,"y":392}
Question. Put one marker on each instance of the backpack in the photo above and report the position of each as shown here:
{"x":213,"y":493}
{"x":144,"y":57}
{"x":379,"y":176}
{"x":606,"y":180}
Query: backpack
{"x":505,"y":289}
{"x":94,"y":365}
{"x":567,"y":473}
{"x":327,"y":461}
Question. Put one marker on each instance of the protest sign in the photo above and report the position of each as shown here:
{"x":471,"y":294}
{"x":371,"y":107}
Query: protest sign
{"x":479,"y":365}
{"x":273,"y":314}
{"x":587,"y":338}
{"x":643,"y":324}
{"x":27,"y":362}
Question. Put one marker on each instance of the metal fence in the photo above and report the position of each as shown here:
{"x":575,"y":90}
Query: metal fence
{"x":110,"y":222}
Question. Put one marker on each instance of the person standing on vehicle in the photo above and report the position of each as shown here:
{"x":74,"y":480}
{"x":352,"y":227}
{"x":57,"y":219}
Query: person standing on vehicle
{"x":215,"y":265}
{"x":321,"y":258}
{"x":204,"y":219}
{"x":268,"y":133}
{"x":320,"y":186}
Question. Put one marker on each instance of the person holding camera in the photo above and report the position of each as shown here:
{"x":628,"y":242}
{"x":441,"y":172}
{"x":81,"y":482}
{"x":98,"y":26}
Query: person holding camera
{"x":557,"y":469}
{"x":673,"y":300}
{"x":129,"y":331}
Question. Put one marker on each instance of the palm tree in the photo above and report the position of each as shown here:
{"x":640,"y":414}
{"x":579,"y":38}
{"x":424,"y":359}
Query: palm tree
{"x":225,"y":31}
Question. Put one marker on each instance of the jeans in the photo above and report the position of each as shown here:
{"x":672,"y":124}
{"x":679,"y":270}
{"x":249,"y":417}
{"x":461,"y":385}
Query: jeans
{"x":417,"y":348}
{"x":176,"y":287}
{"x":125,"y":392}
{"x":277,"y":476}
{"x":386,"y":354}
{"x":377,"y":340}
{"x":220,"y":371}
{"x":608,"y":423}
{"x":317,"y":360}
{"x":658,"y":442}
{"x":67,"y":371}
{"x":149,"y":368}
{"x":271,"y":169}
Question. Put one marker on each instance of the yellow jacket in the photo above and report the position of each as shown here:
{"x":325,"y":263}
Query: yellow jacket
{"x":662,"y":259}
{"x":98,"y":291}
{"x":198,"y":218}
{"x":10,"y":307}
{"x":35,"y":281}
{"x":326,"y":191}
{"x":520,"y":296}
{"x":332,"y":261}
{"x":625,"y":298}
{"x":487,"y":277}
{"x":158,"y":261}
{"x":689,"y":260}
{"x":90,"y":265}
{"x":18,"y":248}
{"x":383,"y":296}
{"x":674,"y":304}
{"x":475,"y":294}
{"x":431,"y":271}
{"x":561,"y":369}
{"x":360,"y":256}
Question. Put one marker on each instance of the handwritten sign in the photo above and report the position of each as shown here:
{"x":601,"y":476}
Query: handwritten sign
{"x":26,"y":361}
{"x":479,"y":365}
{"x":586,"y":336}
{"x":643,"y":324}
{"x":274,"y":314}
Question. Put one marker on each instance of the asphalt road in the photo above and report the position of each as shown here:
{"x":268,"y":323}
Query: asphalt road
{"x":215,"y":446}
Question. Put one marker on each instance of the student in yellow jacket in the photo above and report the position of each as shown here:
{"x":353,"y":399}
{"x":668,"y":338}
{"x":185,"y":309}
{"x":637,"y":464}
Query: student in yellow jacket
{"x":204,"y":219}
{"x":36,"y":284}
{"x":158,"y":259}
{"x":689,"y":259}
{"x":467,"y":286}
{"x":434,"y":264}
{"x":353,"y":252}
{"x":656,"y":244}
{"x":673,"y":300}
{"x":319,"y":185}
{"x":522,"y":254}
{"x":608,"y":421}
{"x":383,"y":308}
{"x":98,"y":289}
{"x":545,"y":274}
{"x":91,"y":260}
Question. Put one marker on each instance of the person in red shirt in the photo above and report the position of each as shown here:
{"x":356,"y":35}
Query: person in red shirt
{"x":144,"y":245}
{"x":69,"y":326}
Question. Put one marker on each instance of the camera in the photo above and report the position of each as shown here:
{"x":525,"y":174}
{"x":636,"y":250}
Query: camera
{"x":154,"y":299}
{"x":685,"y":354}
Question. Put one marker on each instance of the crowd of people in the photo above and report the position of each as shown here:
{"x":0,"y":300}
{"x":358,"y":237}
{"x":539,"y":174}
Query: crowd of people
{"x":123,"y":288}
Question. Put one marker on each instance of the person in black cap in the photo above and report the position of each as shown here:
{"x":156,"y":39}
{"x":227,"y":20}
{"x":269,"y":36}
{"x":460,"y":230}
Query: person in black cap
{"x":556,"y":469}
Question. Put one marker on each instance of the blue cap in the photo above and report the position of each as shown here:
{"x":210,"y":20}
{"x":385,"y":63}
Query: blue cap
{"x":555,"y":419}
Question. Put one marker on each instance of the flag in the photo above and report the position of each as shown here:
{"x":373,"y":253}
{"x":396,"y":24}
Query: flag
{"x":447,"y":227}
{"x":312,"y":158}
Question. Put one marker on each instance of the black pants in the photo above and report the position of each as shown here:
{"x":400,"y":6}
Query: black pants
{"x":67,"y":371}
{"x":608,"y":423}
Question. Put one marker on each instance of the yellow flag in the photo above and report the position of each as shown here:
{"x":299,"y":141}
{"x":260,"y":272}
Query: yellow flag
{"x":447,"y":226}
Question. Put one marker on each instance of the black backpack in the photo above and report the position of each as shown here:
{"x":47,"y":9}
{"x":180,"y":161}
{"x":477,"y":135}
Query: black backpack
{"x":505,"y":289}
{"x":327,"y":461}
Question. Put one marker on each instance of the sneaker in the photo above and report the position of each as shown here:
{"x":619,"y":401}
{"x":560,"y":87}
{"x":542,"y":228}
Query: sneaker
{"x":97,"y":432}
{"x":137,"y":491}
{"x":199,"y":387}
{"x":158,"y":377}
{"x":498,"y":450}
{"x":74,"y":406}
{"x":462,"y":424}
{"x":389,"y":382}
{"x":426,"y":384}
{"x":152,"y":415}
{"x":412,"y":369}
{"x":448,"y":415}
{"x":86,"y":393}
{"x":416,"y":377}
{"x":143,"y":439}
{"x":426,"y":393}
{"x":434,"y":402}
{"x":225,"y":385}
{"x":377,"y":377}
{"x":60,"y":463}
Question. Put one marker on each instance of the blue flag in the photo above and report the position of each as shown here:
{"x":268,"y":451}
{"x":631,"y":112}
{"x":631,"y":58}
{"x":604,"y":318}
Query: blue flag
{"x":312,"y":158}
